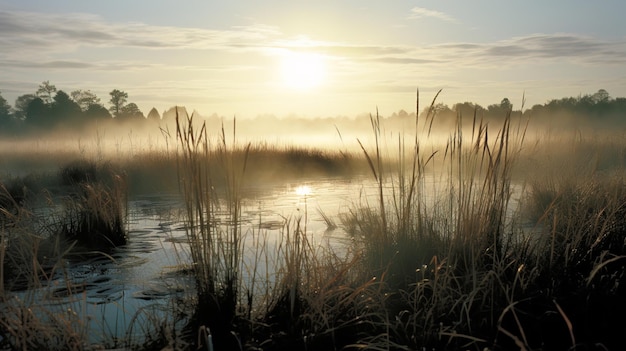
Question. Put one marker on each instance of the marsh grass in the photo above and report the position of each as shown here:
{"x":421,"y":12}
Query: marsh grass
{"x":472,"y":260}
{"x":216,"y":251}
{"x":460,"y":267}
{"x":27,"y":325}
{"x":253,"y":290}
{"x":95,"y":208}
{"x":580,"y":256}
{"x":34,"y":242}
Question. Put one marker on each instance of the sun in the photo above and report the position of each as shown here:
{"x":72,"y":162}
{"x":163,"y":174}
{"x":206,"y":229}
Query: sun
{"x":303,"y":70}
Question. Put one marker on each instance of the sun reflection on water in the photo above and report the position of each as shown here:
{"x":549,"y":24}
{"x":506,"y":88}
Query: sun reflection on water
{"x":303,"y":190}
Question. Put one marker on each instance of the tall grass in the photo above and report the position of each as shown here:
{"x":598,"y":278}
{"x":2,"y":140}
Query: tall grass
{"x":466,"y":269}
{"x":444,"y":253}
{"x":216,"y":249}
{"x":254,"y":291}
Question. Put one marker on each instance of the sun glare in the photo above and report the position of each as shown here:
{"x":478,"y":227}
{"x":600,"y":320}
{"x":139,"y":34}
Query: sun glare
{"x":303,"y":190}
{"x":303,"y":70}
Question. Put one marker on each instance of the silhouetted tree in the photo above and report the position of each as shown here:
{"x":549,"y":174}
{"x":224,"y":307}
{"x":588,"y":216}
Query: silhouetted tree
{"x":467,"y":109}
{"x":506,"y":104}
{"x":441,"y":108}
{"x":5,"y":108}
{"x":118,"y":100}
{"x":97,"y":112}
{"x":131,"y":111}
{"x":37,"y":113}
{"x":64,"y":109}
{"x":501,"y":109}
{"x":45,"y":91}
{"x":85,"y":98}
{"x":601,"y":96}
{"x":6,"y":119}
{"x":170,"y":113}
{"x":21,"y":106}
{"x":153,"y":115}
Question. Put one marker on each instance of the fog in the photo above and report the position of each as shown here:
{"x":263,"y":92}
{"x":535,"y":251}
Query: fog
{"x":112,"y":139}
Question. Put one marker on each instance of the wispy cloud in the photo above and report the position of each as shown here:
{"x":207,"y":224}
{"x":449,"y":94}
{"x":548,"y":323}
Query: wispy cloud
{"x":538,"y":47}
{"x":421,"y":12}
{"x":48,"y":40}
{"x":35,"y":44}
{"x":27,"y":32}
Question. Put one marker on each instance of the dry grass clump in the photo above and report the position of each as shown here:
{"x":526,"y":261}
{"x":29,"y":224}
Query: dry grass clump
{"x":26,"y":256}
{"x":95,"y":208}
{"x":579,"y":256}
{"x":27,"y":325}
{"x":35,"y":231}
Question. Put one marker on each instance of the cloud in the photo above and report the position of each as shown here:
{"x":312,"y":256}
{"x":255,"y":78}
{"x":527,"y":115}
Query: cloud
{"x":28,"y":32}
{"x":553,"y":47}
{"x":48,"y":40}
{"x":42,"y":45}
{"x":534,"y":48}
{"x":47,"y":64}
{"x":420,"y":12}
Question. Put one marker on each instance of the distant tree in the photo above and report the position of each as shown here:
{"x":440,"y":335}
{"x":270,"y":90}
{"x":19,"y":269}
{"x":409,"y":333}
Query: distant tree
{"x":97,"y":112}
{"x":506,"y":105}
{"x":182,"y":111}
{"x":84,"y":98}
{"x":601,"y":96}
{"x":500,"y":110}
{"x":131,"y":111}
{"x":440,"y":108}
{"x":5,"y":109}
{"x":118,"y":100}
{"x":37,"y":113}
{"x":21,"y":106}
{"x":618,"y":106}
{"x":64,"y":108}
{"x":153,"y":115}
{"x":45,"y":91}
{"x":467,"y":109}
{"x":536,"y":109}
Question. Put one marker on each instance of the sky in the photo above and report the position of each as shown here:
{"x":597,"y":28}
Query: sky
{"x":314,"y":58}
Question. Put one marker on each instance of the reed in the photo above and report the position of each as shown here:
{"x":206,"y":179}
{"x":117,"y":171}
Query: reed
{"x":460,"y":267}
{"x":215,"y":246}
{"x":250,"y":287}
{"x":443,"y":252}
{"x":95,"y":208}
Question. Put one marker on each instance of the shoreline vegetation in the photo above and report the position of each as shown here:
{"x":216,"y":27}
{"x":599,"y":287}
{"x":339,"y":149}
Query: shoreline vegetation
{"x":471,"y":268}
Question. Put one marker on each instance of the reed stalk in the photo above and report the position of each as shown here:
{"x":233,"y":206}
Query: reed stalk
{"x":216,"y":243}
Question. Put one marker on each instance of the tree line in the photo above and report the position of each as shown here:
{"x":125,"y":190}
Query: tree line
{"x":598,"y":108}
{"x":51,"y":108}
